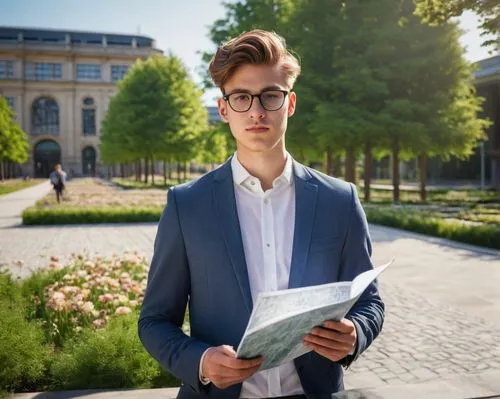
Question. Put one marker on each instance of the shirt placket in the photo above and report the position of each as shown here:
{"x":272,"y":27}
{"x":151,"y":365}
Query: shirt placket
{"x":271,"y":279}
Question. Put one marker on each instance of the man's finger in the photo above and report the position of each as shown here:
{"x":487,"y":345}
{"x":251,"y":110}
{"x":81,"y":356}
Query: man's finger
{"x":343,"y":326}
{"x":332,"y":334}
{"x":240,"y":364}
{"x":328,"y":344}
{"x":328,"y":353}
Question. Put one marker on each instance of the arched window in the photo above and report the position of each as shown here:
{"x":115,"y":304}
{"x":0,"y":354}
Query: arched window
{"x":88,"y":117}
{"x":88,"y":161}
{"x":45,"y":116}
{"x":47,"y":154}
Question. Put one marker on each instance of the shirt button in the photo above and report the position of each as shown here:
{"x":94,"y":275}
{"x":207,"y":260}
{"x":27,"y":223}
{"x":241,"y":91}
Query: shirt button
{"x":268,"y":245}
{"x":266,"y":201}
{"x":252,"y":183}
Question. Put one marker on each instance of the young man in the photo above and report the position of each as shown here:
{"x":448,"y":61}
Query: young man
{"x":260,"y":222}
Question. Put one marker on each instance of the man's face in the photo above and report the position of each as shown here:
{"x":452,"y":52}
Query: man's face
{"x":257,"y":130}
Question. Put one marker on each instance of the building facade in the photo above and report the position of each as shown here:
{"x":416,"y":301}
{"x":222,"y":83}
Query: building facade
{"x":59,"y":84}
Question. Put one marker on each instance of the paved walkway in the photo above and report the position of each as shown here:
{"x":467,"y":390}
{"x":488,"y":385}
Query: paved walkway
{"x":442,"y":298}
{"x":13,"y":204}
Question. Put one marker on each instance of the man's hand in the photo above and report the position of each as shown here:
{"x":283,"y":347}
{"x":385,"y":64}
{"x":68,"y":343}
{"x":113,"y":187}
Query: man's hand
{"x":223,"y":369}
{"x":334,"y":340}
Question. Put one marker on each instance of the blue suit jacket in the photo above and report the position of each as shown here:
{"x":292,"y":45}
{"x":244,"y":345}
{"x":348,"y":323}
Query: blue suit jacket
{"x":199,"y":260}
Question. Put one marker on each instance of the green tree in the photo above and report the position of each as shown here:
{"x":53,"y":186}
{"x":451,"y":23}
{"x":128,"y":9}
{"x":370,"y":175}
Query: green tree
{"x":216,"y":144}
{"x":442,"y":11}
{"x":14,"y":144}
{"x":430,"y":84}
{"x":156,"y":114}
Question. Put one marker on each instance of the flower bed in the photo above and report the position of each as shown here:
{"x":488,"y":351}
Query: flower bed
{"x":96,"y":201}
{"x":75,"y":327}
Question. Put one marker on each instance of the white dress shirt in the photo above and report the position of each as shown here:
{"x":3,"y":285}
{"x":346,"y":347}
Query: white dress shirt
{"x":267,"y":221}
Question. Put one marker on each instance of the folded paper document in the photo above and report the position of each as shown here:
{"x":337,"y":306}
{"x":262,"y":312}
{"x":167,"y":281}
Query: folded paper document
{"x":281,"y":319}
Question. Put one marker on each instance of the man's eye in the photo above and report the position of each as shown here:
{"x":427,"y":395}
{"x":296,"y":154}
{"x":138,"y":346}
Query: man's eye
{"x":241,"y":97}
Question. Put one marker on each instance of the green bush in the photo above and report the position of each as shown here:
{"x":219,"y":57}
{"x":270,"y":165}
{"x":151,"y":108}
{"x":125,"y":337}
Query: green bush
{"x":427,"y":223}
{"x":24,"y":355}
{"x":128,"y":184}
{"x":74,"y":215}
{"x":109,"y":358}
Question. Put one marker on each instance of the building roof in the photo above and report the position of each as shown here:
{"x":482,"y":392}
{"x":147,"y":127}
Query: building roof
{"x":488,"y":68}
{"x":54,"y":36}
{"x":213,"y":114}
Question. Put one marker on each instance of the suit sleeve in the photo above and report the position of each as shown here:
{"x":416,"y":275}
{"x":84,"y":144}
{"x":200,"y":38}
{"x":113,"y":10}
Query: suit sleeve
{"x":367,"y":314}
{"x":165,"y":300}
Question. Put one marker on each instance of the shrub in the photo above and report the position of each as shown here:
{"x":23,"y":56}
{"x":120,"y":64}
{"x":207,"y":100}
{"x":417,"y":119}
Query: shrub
{"x":24,"y":356}
{"x":427,"y":223}
{"x":75,"y":215}
{"x":109,"y":358}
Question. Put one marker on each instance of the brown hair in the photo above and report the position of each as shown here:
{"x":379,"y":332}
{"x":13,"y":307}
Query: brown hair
{"x":257,"y":47}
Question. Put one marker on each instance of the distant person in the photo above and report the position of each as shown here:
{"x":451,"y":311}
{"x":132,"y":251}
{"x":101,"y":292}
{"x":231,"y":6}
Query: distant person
{"x":58,"y":180}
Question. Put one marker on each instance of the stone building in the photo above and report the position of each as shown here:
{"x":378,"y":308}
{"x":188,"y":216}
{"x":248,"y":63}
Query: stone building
{"x":59,"y":84}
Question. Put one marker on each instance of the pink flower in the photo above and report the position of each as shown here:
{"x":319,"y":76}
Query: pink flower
{"x":105,"y":298}
{"x":122,"y":310}
{"x":88,"y":307}
{"x":133,"y":304}
{"x":99,"y":323}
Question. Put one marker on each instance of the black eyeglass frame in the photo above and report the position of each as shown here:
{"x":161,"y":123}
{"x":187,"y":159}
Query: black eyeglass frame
{"x":285,"y":93}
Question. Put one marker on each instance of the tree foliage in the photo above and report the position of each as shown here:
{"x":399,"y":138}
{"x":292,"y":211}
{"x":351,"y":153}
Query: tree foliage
{"x":14,"y":145}
{"x":442,"y":11}
{"x":156,"y":114}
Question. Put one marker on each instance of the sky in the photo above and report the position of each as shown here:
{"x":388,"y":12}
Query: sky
{"x":177,"y":26}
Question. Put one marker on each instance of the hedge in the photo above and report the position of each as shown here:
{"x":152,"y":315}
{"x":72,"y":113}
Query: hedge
{"x":487,"y":235}
{"x":73,"y":215}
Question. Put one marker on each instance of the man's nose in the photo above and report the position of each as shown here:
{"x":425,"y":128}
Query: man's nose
{"x":257,"y":111}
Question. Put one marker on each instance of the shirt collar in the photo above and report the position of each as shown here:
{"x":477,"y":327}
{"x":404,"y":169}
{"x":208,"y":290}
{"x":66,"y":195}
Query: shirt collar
{"x":240,"y":174}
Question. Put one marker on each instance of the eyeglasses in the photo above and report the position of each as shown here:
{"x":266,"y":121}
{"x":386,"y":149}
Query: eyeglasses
{"x":271,"y":100}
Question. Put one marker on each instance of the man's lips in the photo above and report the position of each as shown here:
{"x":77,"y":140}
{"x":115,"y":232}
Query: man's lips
{"x":257,"y":129}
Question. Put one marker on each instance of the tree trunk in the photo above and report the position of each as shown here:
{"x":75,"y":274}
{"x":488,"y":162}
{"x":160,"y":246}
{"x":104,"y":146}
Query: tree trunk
{"x":2,"y":173}
{"x":329,"y":161}
{"x":170,"y":171}
{"x":395,"y":171}
{"x":350,"y":165}
{"x":152,"y":170}
{"x":164,"y":173}
{"x":185,"y":171}
{"x":337,"y":166}
{"x":146,"y":170}
{"x":367,"y":174}
{"x":122,"y":171}
{"x":422,"y":168}
{"x":138,"y":171}
{"x":179,"y":178}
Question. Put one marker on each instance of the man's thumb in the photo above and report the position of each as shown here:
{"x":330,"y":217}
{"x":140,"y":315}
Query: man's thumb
{"x":228,"y":350}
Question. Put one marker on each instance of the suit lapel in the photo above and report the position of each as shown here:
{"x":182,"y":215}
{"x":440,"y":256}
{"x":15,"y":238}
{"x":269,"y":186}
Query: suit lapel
{"x":227,"y":217}
{"x":305,"y":210}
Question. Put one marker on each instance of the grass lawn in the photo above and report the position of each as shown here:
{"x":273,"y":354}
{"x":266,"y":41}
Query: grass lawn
{"x":9,"y":186}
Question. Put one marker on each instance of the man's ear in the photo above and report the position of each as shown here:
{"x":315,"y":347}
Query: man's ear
{"x":222,"y":107}
{"x":292,"y":102}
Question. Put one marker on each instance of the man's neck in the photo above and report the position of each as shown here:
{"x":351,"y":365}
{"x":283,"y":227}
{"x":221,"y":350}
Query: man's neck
{"x":266,"y":166}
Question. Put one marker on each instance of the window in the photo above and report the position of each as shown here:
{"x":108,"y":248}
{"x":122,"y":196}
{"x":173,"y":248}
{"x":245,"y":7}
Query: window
{"x":88,"y":117}
{"x":11,"y":101}
{"x":118,"y":72}
{"x":6,"y":69}
{"x":42,"y":71}
{"x":88,"y":72}
{"x":45,"y":116}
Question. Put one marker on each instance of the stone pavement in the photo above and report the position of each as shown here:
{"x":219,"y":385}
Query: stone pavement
{"x":442,"y":298}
